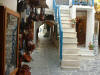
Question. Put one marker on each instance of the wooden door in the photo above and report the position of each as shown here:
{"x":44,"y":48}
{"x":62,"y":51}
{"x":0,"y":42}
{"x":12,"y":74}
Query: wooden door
{"x":99,"y":35}
{"x":81,"y":31}
{"x":1,"y":40}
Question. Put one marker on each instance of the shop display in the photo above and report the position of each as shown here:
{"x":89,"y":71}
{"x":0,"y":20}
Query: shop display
{"x":24,"y":70}
{"x":9,"y":41}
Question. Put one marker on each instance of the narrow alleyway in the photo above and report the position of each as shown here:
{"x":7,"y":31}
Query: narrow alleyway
{"x":46,"y":61}
{"x":45,"y":58}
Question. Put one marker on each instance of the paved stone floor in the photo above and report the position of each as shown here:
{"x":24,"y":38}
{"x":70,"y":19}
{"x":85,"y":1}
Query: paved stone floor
{"x":46,"y":62}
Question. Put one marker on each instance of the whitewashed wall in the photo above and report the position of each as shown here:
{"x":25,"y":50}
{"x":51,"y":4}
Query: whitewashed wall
{"x":50,"y":3}
{"x":12,"y":4}
{"x":36,"y":26}
{"x":1,"y":1}
{"x":79,"y":13}
{"x":90,"y":26}
{"x":73,"y":12}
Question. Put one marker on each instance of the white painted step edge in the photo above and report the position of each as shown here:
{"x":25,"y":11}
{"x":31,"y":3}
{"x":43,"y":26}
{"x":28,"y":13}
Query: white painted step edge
{"x":64,"y":67}
{"x":72,"y":54}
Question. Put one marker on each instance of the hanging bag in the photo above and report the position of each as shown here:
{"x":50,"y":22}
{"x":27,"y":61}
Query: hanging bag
{"x":41,"y":17}
{"x":24,"y":70}
{"x":27,"y":57}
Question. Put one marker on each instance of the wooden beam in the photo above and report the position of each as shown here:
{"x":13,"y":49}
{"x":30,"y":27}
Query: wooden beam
{"x":9,"y":11}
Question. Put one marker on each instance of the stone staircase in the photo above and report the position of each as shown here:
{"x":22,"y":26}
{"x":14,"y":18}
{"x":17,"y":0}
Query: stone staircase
{"x":70,"y":56}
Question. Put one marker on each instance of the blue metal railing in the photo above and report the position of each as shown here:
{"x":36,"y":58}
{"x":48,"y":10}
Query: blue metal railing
{"x":58,"y":19}
{"x":83,"y":2}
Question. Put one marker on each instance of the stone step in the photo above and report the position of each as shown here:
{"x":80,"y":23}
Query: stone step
{"x":69,"y":39}
{"x":65,"y":15}
{"x":69,"y":46}
{"x":70,"y":64}
{"x":66,"y":26}
{"x":71,"y":51}
{"x":69,"y":42}
{"x":68,"y":29}
{"x":64,"y":11}
{"x":70,"y":56}
{"x":64,"y":7}
{"x":66,"y":19}
{"x":69,"y":34}
{"x":66,"y":22}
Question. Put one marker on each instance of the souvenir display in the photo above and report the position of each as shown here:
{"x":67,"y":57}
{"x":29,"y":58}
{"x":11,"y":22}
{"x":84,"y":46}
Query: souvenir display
{"x":26,"y":41}
{"x":42,"y":14}
{"x":37,"y":3}
{"x":24,"y":70}
{"x":9,"y":39}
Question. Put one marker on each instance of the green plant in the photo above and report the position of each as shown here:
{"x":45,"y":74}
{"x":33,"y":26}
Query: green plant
{"x":74,"y":21}
{"x":91,"y":46}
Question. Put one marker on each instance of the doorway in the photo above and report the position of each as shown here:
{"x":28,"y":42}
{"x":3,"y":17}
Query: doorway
{"x":81,"y":31}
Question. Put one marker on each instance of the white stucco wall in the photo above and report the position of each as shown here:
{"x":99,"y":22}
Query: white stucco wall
{"x":79,"y":13}
{"x":73,"y":12}
{"x":50,"y":3}
{"x":90,"y":21}
{"x":12,"y":4}
{"x":1,"y":1}
{"x":36,"y":26}
{"x":90,"y":27}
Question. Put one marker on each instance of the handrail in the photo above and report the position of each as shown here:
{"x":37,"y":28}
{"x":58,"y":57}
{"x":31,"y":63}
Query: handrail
{"x":79,"y":2}
{"x":61,"y":32}
{"x":58,"y":19}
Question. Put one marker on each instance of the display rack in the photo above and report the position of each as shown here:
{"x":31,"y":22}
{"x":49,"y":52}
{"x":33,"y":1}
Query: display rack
{"x":9,"y":41}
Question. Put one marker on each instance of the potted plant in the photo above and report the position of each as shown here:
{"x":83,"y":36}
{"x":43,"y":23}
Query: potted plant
{"x":91,"y":46}
{"x":73,"y":22}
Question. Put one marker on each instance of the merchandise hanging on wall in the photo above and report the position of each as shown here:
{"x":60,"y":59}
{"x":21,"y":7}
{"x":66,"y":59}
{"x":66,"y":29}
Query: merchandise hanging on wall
{"x":9,"y":41}
{"x":26,"y":41}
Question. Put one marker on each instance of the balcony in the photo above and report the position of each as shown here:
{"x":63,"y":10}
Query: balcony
{"x":83,"y":2}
